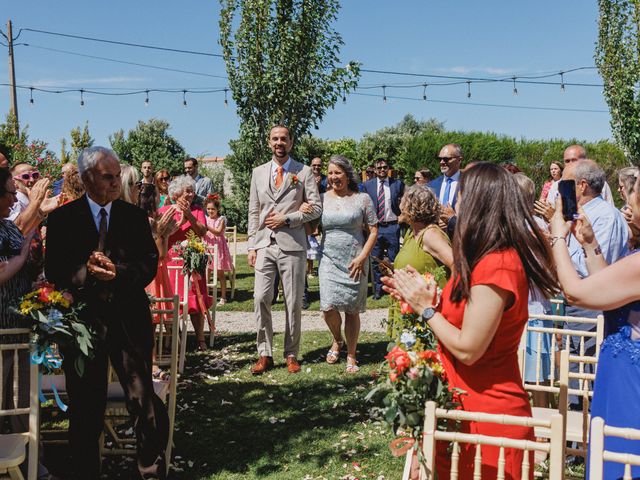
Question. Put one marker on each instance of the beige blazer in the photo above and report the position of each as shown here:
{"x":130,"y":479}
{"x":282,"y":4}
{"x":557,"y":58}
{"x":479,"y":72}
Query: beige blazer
{"x":298,"y":186}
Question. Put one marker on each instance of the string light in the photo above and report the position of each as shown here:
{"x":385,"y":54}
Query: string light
{"x":424,"y":91}
{"x":146,"y":100}
{"x":81,"y":98}
{"x":384,"y":93}
{"x":562,"y":81}
{"x":344,"y":98}
{"x":184,"y":98}
{"x":468,"y":89}
{"x":515,"y":90}
{"x":31,"y":96}
{"x":226,"y":102}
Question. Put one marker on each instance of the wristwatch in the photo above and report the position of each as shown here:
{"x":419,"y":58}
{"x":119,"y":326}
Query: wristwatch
{"x":428,"y":313}
{"x":287,"y":222}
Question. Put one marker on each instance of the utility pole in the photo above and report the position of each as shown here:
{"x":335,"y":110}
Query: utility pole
{"x":13,"y":108}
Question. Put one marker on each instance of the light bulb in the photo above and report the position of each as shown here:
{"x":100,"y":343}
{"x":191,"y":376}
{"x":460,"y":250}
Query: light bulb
{"x":515,"y":90}
{"x":82,"y":98}
{"x":384,"y":94}
{"x":146,"y":100}
{"x":424,"y":92}
{"x":226,"y":102}
{"x":562,"y":81}
{"x":468,"y":89}
{"x":184,"y":99}
{"x":31,"y":96}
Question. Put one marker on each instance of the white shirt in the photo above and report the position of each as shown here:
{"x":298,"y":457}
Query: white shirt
{"x":605,"y":194}
{"x":95,"y":212}
{"x":274,"y":169}
{"x":455,"y":178}
{"x":19,"y":206}
{"x":389,"y":216}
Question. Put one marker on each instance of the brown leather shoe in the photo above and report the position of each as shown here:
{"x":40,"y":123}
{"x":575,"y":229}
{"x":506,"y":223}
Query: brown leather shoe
{"x":262,"y":365}
{"x":292,"y":364}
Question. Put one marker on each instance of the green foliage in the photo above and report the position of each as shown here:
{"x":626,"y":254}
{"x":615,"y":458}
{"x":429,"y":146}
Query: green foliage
{"x":617,"y":57}
{"x":80,"y":139}
{"x":150,"y":141}
{"x":65,"y":155}
{"x":283,"y":67}
{"x":20,"y":149}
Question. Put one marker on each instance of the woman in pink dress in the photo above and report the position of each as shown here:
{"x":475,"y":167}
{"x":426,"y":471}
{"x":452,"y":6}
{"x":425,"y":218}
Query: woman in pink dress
{"x":190,"y":217}
{"x":216,"y":226}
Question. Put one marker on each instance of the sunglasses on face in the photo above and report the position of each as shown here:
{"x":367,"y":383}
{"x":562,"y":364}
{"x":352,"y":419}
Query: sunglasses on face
{"x":164,"y":179}
{"x":382,"y":167}
{"x":447,"y":159}
{"x":417,"y":178}
{"x":28,"y":176}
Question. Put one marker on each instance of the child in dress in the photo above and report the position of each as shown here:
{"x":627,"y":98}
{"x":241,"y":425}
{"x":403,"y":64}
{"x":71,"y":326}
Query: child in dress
{"x":216,"y":225}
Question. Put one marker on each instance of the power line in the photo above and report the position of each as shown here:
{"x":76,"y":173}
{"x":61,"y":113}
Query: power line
{"x":114,"y":60}
{"x":127,"y":44}
{"x":497,"y":105}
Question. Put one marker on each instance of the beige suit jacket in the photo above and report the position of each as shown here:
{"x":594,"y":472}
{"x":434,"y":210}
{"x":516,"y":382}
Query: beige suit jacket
{"x":299,"y":186}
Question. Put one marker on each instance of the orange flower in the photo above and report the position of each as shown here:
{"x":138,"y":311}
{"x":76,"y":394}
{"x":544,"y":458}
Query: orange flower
{"x":399,"y":360}
{"x":43,"y":296}
{"x":294,"y":179}
{"x":405,"y":308}
{"x":429,"y":355}
{"x":393,"y":376}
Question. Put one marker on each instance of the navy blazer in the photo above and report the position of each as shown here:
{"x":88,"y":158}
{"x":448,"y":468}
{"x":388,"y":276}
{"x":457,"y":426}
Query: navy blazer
{"x":436,"y":184}
{"x":396,"y":188}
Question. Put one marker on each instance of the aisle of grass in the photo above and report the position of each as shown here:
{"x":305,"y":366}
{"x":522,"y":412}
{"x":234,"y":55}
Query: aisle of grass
{"x":312,"y":425}
{"x":243,"y":301}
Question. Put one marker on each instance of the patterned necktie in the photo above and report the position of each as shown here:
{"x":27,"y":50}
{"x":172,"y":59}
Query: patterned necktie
{"x":381,"y":202}
{"x":447,"y":191}
{"x":102,"y":231}
{"x":279,"y":177}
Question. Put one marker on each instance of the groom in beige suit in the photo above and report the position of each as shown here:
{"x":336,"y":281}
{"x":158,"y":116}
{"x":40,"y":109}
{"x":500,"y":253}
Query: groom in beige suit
{"x":278,"y":243}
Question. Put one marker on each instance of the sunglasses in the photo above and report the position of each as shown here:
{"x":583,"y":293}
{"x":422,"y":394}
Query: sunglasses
{"x":417,"y":178}
{"x":164,"y":179}
{"x":382,"y":167}
{"x":447,"y":159}
{"x":28,"y":176}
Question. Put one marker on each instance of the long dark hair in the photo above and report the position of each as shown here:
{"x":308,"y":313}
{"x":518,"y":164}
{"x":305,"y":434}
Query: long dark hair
{"x":494,"y":216}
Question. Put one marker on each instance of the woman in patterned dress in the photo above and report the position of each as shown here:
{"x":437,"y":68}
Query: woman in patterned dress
{"x":344,"y":265}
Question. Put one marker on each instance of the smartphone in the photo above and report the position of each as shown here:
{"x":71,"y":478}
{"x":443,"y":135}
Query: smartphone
{"x":567,"y":191}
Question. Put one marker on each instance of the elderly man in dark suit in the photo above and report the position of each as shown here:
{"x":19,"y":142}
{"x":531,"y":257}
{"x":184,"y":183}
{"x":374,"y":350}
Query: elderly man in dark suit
{"x":385,"y":193}
{"x":101,"y":249}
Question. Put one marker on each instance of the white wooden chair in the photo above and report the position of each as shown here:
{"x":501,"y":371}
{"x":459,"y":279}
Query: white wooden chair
{"x":13,"y":446}
{"x":434,"y":433}
{"x":212,"y":289}
{"x":184,"y":305}
{"x":231,"y":234}
{"x":598,"y":454}
{"x":116,"y":409}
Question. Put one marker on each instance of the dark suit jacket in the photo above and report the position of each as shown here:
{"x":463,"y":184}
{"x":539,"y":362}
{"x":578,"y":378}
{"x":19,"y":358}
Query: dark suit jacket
{"x":436,"y":184}
{"x":71,"y":238}
{"x":396,"y":188}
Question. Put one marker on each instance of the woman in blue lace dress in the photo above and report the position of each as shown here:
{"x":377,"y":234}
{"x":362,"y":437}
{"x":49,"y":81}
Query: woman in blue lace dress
{"x":615,"y":289}
{"x":350,"y":232}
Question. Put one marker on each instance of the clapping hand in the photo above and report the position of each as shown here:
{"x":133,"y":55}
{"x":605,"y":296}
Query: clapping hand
{"x":101,"y":267}
{"x":544,"y":210}
{"x":167,"y":224}
{"x":409,"y":286}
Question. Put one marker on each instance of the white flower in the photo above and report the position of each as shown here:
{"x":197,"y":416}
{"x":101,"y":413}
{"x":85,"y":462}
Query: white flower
{"x":408,"y":338}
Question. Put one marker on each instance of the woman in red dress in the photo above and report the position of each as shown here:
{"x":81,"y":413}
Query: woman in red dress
{"x":499,"y":251}
{"x":190,"y":217}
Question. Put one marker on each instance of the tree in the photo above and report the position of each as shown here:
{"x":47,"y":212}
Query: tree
{"x":283,"y":67}
{"x":150,"y":141}
{"x":80,"y":139}
{"x":20,"y":149}
{"x":617,"y":57}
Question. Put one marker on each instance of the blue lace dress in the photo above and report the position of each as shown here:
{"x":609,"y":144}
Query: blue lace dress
{"x":344,"y":220}
{"x":616,"y":396}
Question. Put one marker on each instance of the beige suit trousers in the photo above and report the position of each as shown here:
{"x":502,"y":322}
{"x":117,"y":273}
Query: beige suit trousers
{"x":291,"y":266}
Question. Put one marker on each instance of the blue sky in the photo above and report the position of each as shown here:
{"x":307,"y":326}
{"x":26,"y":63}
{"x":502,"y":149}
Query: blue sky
{"x":464,"y":38}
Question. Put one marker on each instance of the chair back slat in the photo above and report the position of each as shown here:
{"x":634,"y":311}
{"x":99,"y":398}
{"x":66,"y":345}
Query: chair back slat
{"x":598,"y":455}
{"x":501,"y":463}
{"x":455,"y":459}
{"x":477,"y":463}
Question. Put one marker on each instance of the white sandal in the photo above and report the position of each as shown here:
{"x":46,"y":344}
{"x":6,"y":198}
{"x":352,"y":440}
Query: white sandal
{"x":352,"y":367}
{"x":333,"y":356}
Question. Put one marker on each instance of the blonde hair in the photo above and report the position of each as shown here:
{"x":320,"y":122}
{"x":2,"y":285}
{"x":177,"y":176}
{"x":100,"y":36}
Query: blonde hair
{"x":420,"y":205}
{"x":130,"y":176}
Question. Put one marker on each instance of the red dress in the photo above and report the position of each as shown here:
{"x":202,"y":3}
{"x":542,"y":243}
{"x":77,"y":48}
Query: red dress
{"x":493,"y":384}
{"x":201,"y":283}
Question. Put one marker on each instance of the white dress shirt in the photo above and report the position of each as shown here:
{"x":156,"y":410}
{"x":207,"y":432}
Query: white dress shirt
{"x":21,"y":204}
{"x":455,"y":179}
{"x":95,"y":212}
{"x":274,"y":169}
{"x":389,"y":216}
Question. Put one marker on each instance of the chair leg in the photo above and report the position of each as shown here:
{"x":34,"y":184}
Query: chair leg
{"x":232,"y":280}
{"x":15,"y":473}
{"x":183,"y":342}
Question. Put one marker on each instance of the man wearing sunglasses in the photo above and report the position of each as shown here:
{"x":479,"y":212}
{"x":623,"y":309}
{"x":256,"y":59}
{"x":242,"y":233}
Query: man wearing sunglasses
{"x":32,"y":203}
{"x":446,"y":185}
{"x":385,"y":192}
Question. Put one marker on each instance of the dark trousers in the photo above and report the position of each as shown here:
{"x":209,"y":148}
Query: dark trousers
{"x":131,"y":359}
{"x":387,"y":244}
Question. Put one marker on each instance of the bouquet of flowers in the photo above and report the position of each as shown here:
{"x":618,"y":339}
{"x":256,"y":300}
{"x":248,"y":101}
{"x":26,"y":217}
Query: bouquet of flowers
{"x":193,"y":254}
{"x":55,"y":323}
{"x":411,"y":375}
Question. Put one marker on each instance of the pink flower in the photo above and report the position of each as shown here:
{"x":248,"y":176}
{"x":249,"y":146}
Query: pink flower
{"x":412,"y":373}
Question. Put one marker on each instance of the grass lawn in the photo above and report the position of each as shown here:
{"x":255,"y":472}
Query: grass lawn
{"x":243,"y":301}
{"x":312,"y":425}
